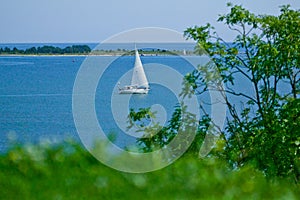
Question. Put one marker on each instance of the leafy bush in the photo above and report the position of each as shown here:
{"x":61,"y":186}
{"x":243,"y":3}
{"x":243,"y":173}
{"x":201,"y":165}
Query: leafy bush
{"x":67,"y":171}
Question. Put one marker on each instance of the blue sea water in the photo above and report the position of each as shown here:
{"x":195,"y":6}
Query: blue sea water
{"x":36,"y":96}
{"x":36,"y":93}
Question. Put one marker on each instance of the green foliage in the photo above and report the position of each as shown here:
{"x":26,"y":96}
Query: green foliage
{"x":265,"y":52}
{"x":67,"y":171}
{"x":157,"y":136}
{"x":143,"y":116}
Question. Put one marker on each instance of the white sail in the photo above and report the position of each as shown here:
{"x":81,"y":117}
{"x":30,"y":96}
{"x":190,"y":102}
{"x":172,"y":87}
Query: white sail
{"x":139,"y":78}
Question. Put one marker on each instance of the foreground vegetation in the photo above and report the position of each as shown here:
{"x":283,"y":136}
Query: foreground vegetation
{"x":68,"y":171}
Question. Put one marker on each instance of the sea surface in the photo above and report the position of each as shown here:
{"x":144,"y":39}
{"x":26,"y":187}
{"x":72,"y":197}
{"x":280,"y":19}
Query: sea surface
{"x":36,"y":95}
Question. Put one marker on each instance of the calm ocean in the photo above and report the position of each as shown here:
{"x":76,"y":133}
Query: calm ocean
{"x":36,"y":95}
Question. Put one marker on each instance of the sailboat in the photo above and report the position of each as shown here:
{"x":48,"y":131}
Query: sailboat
{"x":139,"y":83}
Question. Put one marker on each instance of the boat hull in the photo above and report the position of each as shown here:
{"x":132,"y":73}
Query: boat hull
{"x":133,"y":91}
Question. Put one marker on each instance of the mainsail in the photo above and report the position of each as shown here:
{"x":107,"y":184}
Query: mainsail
{"x":139,"y":78}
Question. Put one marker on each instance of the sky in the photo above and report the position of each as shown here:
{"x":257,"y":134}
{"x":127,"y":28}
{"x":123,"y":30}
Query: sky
{"x":24,"y":21}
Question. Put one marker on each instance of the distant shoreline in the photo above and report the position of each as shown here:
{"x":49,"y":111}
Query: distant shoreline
{"x":110,"y":53}
{"x":85,"y":55}
{"x":43,"y":55}
{"x":62,"y":55}
{"x":84,"y":50}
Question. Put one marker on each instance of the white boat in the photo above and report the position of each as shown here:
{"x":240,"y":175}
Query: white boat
{"x":139,"y":83}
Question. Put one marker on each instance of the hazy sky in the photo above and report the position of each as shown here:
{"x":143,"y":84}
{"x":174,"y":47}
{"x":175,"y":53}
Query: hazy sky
{"x":96,"y":20}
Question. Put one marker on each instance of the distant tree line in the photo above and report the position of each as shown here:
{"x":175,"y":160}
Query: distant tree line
{"x":74,"y":49}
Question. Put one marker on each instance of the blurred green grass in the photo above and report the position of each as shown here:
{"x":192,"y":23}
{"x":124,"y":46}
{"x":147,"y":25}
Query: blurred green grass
{"x":68,"y":171}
